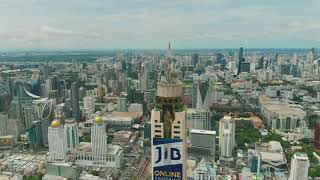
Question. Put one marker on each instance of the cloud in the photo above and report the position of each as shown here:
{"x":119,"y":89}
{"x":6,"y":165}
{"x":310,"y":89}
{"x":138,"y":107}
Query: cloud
{"x":52,"y":31}
{"x":151,"y":24}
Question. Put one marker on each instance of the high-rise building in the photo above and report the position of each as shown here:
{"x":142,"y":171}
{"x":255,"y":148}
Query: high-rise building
{"x":56,"y":140}
{"x":35,"y":135}
{"x":71,"y":133}
{"x":75,"y":101}
{"x":199,"y":119}
{"x":241,"y":59}
{"x":201,"y":85}
{"x":299,"y":167}
{"x":202,"y":144}
{"x":317,"y":136}
{"x":245,"y":67}
{"x":99,"y":142}
{"x":28,"y":115}
{"x":194,"y":59}
{"x":88,"y":105}
{"x":226,"y":137}
{"x":168,"y":130}
{"x":122,"y":104}
{"x":82,"y":92}
{"x":314,"y":53}
{"x":254,"y":161}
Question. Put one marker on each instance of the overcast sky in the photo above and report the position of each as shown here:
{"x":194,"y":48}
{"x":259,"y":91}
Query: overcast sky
{"x":151,"y":24}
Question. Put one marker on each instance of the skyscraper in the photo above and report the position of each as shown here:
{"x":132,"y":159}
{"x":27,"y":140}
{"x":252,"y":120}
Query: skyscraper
{"x":203,"y":94}
{"x":226,"y":137}
{"x":241,"y":59}
{"x":299,"y":167}
{"x":168,"y":130}
{"x":75,"y":101}
{"x":56,"y":140}
{"x":99,"y":142}
{"x":314,"y":53}
{"x":35,"y":135}
{"x":194,"y":59}
{"x":71,"y":133}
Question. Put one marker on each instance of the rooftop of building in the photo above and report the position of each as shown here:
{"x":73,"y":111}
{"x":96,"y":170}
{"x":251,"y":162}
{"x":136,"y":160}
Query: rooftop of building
{"x":280,"y":107}
{"x":126,"y":114}
{"x":195,"y":110}
{"x":271,"y":152}
{"x":198,"y":131}
{"x":300,"y":155}
{"x":86,"y":148}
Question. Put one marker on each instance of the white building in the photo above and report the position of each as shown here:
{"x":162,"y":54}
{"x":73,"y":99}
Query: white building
{"x":198,"y":119}
{"x":56,"y":141}
{"x":88,"y":105}
{"x":226,"y":137}
{"x":299,"y":167}
{"x":71,"y":133}
{"x":113,"y":158}
{"x":99,"y":141}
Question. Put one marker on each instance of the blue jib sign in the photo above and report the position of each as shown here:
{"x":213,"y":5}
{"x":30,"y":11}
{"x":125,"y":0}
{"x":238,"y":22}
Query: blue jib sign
{"x":167,"y":159}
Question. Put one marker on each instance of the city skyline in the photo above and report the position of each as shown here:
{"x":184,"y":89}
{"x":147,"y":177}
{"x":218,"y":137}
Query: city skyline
{"x":140,"y":24}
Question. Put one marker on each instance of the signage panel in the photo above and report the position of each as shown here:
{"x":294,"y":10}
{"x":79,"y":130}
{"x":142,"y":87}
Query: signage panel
{"x":167,"y":159}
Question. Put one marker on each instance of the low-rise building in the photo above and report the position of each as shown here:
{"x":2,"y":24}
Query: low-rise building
{"x":280,"y":115}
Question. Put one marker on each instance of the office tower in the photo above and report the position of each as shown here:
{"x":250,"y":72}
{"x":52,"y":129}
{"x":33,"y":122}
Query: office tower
{"x":88,"y":105}
{"x":147,"y":138}
{"x":240,"y":54}
{"x":226,"y":137}
{"x":254,"y":161}
{"x":46,"y":70}
{"x":99,"y":141}
{"x":82,"y":92}
{"x":75,"y":101}
{"x":203,"y":143}
{"x":202,"y":89}
{"x":122,"y":104}
{"x":55,"y":83}
{"x":28,"y":115}
{"x":35,"y":135}
{"x":225,"y":142}
{"x":317,"y":136}
{"x":261,"y":63}
{"x":71,"y":133}
{"x":314,"y":54}
{"x":205,"y":171}
{"x":241,"y":59}
{"x":143,"y":78}
{"x":199,"y":119}
{"x":194,"y":59}
{"x":245,"y":67}
{"x":56,"y":140}
{"x":299,"y":167}
{"x":168,"y":128}
{"x":48,"y":87}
